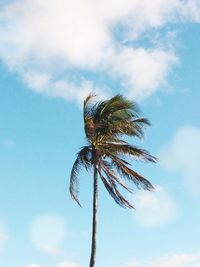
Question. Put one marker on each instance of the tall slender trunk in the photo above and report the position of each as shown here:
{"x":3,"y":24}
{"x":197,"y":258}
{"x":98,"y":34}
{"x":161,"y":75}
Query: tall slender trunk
{"x":94,"y":223}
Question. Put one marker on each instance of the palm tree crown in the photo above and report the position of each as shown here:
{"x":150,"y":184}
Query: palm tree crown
{"x":105,"y":123}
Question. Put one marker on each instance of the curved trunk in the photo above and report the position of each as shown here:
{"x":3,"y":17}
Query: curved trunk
{"x":94,"y":223}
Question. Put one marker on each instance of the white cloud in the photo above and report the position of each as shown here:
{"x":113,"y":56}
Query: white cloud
{"x":176,"y":260}
{"x":62,"y":264}
{"x":68,"y":264}
{"x":48,"y":233}
{"x":65,"y":29}
{"x":142,"y":69}
{"x":65,"y":89}
{"x":191,"y":10}
{"x":51,"y":42}
{"x":181,"y":155}
{"x":154,"y":208}
{"x":142,"y":15}
{"x":37,"y":81}
{"x":134,"y":264}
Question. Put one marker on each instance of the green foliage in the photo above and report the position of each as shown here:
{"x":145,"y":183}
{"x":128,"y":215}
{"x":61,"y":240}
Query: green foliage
{"x":105,"y":124}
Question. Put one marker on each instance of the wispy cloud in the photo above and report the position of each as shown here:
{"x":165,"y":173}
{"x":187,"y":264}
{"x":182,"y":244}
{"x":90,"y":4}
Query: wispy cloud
{"x":154,"y":208}
{"x":62,"y":264}
{"x":68,"y":264}
{"x":66,"y":48}
{"x":176,"y":260}
{"x":181,"y":156}
{"x":48,"y":233}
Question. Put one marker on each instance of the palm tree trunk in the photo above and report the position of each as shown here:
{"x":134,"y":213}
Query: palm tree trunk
{"x":94,"y":223}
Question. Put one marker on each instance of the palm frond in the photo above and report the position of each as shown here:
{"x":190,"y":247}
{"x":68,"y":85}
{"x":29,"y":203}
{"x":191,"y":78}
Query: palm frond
{"x":131,"y":175}
{"x":116,"y":104}
{"x":83,"y":160}
{"x":88,"y":116}
{"x":87,"y":104}
{"x":110,"y":174}
{"x":127,"y":149}
{"x":122,"y":127}
{"x":105,"y":124}
{"x":124,"y":201}
{"x":114,"y":193}
{"x":114,"y":126}
{"x":142,"y":121}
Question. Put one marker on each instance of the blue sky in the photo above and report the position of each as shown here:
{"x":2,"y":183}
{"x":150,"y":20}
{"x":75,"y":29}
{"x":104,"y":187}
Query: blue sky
{"x":52,"y":54}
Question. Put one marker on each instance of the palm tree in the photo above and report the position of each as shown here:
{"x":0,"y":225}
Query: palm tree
{"x":105,"y":123}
